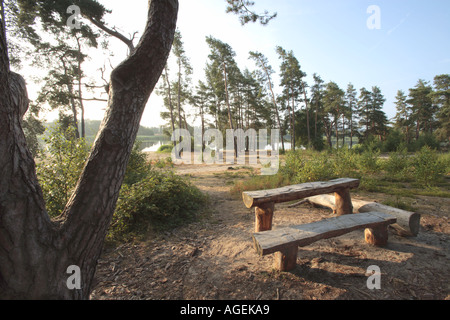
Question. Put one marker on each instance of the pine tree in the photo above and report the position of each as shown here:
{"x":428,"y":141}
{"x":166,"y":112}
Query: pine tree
{"x":200,"y":100}
{"x":351,"y":103}
{"x":183,"y":77}
{"x":333,"y":101}
{"x":403,"y":116}
{"x":422,"y":109}
{"x":293,"y":86}
{"x":224,"y":70}
{"x":317,"y":91}
{"x":378,"y":118}
{"x":441,"y":98}
{"x":265,"y":73}
{"x":165,"y":91}
{"x":257,"y":113}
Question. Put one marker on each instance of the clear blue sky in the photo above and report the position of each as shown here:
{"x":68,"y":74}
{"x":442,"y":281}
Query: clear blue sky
{"x":328,"y":37}
{"x":331,"y":38}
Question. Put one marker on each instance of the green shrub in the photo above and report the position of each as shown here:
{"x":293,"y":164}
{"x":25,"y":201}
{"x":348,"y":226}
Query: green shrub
{"x":368,"y":161}
{"x":393,"y":141}
{"x":165,"y":148}
{"x":302,"y":168}
{"x":294,"y":161}
{"x":345,"y":163}
{"x":138,"y":167}
{"x":164,"y":163}
{"x":445,"y":160}
{"x":428,"y":169}
{"x":60,"y":168}
{"x":425,"y":140}
{"x":160,"y":202}
{"x":397,"y":165}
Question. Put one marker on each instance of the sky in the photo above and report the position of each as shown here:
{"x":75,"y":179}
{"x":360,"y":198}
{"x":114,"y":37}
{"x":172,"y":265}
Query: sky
{"x":343,"y":41}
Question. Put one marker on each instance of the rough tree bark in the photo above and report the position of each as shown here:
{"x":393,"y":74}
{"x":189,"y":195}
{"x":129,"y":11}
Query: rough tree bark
{"x":35,"y":251}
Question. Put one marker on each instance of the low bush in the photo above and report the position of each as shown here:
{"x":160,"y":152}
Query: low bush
{"x":160,"y":202}
{"x":445,"y":159}
{"x":60,"y":168}
{"x":368,"y":162}
{"x":165,"y":148}
{"x":397,"y":165}
{"x":303,"y":168}
{"x":344,"y":163}
{"x":428,"y":168}
{"x":138,"y":167}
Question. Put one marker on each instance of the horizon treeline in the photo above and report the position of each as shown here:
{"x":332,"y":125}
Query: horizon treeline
{"x":313,"y":115}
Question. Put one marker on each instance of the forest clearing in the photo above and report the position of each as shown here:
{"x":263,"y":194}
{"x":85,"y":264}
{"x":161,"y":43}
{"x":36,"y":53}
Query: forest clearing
{"x":103,"y":104}
{"x":214,"y":258}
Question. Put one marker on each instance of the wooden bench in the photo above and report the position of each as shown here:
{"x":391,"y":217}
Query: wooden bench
{"x":284,"y":242}
{"x":264,"y":201}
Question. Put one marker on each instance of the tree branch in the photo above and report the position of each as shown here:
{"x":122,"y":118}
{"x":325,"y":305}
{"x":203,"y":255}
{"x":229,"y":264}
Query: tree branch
{"x":95,"y":99}
{"x":114,"y":33}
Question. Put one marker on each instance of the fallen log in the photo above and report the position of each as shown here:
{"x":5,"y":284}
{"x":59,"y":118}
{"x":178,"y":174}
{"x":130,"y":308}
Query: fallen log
{"x":408,"y":223}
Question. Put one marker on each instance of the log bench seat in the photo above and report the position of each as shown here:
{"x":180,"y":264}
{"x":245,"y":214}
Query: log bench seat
{"x":284,"y":242}
{"x":264,"y":200}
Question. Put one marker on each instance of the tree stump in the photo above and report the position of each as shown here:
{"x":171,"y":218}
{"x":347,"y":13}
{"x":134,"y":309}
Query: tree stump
{"x":377,"y":236}
{"x":264,"y":216}
{"x":343,"y":202}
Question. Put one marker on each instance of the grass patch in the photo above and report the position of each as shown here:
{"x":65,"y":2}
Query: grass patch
{"x":401,"y":174}
{"x":398,"y":202}
{"x":256,"y":182}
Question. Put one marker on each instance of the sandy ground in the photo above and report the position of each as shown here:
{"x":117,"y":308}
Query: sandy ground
{"x":215,"y":259}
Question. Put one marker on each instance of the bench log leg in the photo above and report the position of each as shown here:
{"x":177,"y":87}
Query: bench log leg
{"x":263,"y":217}
{"x":377,"y":236}
{"x":343,"y":202}
{"x":286,"y":260}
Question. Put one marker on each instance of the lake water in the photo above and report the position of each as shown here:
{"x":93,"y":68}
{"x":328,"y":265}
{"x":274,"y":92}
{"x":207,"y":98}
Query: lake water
{"x":154,"y":147}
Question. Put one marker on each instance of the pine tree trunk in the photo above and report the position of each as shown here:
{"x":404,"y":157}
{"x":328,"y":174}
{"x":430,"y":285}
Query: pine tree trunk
{"x":336,"y":131}
{"x":169,"y":93}
{"x":293,"y":122}
{"x":307,"y":118}
{"x":315,"y":122}
{"x":35,"y":252}
{"x":230,"y":118}
{"x":179,"y":98}
{"x":277,"y":113}
{"x":351,"y":131}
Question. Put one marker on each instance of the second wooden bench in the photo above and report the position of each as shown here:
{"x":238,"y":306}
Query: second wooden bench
{"x":284,"y":242}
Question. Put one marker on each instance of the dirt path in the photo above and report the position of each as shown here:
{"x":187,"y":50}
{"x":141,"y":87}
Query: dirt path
{"x":215,"y":259}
